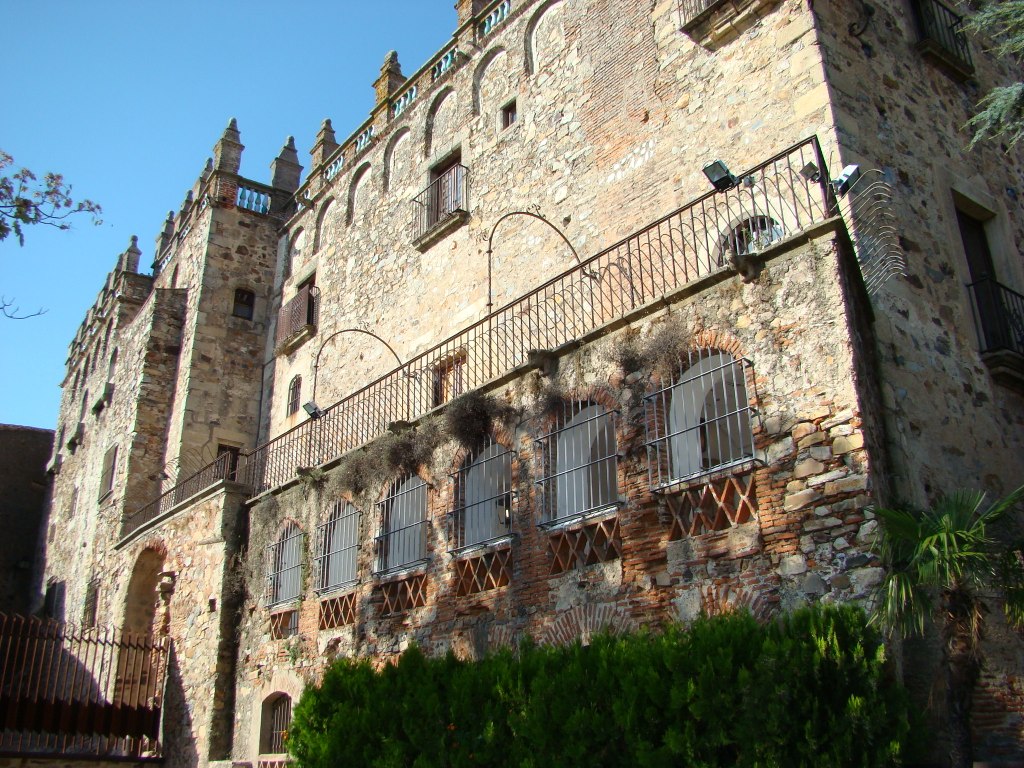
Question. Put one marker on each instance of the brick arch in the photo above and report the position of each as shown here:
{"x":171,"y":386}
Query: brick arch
{"x":502,"y":636}
{"x":722,"y":599}
{"x":600,"y":394}
{"x":585,"y":621}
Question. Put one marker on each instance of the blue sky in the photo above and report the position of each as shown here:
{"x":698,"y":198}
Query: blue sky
{"x":126,"y":99}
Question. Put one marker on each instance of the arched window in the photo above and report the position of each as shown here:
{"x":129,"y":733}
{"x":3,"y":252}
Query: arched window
{"x":294,"y":395}
{"x":580,"y":462}
{"x":337,"y":548}
{"x":483,"y":496}
{"x":112,"y":365}
{"x":244,"y":304}
{"x":701,"y":420}
{"x":275,"y":720}
{"x":285,"y":566}
{"x":403,"y":536}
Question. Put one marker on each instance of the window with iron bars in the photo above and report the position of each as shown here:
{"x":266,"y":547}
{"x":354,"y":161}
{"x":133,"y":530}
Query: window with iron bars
{"x":337,"y":548}
{"x":294,"y":394}
{"x":284,"y":580}
{"x":403,"y":535}
{"x":579,"y":461}
{"x":275,"y":721}
{"x":484,"y":497}
{"x":699,"y":421}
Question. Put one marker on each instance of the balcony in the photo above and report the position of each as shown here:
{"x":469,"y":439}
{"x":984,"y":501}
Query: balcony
{"x":441,"y":207}
{"x":942,"y":37}
{"x":999,"y":318}
{"x":713,"y":21}
{"x":298,"y":318}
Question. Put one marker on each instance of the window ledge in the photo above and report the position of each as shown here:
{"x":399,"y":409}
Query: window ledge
{"x":338,"y":590}
{"x":1006,"y":367}
{"x":580,"y":518}
{"x":400,"y":572}
{"x":954,"y":66}
{"x":724,"y":19}
{"x":296,"y":340}
{"x":481,"y":547}
{"x":441,"y":229}
{"x":701,"y":478}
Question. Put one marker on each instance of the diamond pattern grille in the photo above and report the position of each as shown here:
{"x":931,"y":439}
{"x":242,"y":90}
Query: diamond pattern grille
{"x":597,"y":542}
{"x":284,"y":624}
{"x":483,"y":572}
{"x":714,"y":506}
{"x":403,"y":594}
{"x":338,"y":611}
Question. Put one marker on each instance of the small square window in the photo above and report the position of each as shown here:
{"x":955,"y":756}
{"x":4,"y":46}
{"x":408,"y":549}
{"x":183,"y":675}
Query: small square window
{"x":245,"y":302}
{"x":508,"y":115}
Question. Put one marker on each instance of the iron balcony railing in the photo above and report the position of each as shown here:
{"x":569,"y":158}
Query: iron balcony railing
{"x":692,"y":11}
{"x":224,"y":467}
{"x":445,"y":196}
{"x":999,"y":316}
{"x":942,"y":32}
{"x":688,"y":244}
{"x":301,"y":311}
{"x":79,"y":691}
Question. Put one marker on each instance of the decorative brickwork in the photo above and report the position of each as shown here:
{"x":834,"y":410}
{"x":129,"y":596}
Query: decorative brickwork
{"x":713,"y":506}
{"x":480,"y":573}
{"x":338,"y":611}
{"x":403,"y":594}
{"x":586,"y":544}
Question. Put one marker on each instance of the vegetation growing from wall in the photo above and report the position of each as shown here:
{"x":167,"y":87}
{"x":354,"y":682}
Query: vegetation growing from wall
{"x":469,"y":418}
{"x":814,"y":688}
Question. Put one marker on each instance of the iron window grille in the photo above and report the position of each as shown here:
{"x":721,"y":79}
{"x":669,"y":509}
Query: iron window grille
{"x":700,"y":421}
{"x":300,"y":311}
{"x":338,"y":548}
{"x":448,"y":377}
{"x":284,"y":580}
{"x":279,"y":713}
{"x":109,"y":471}
{"x":484,"y":498}
{"x":579,"y":461}
{"x":445,"y":196}
{"x":942,"y":34}
{"x":90,"y":609}
{"x":403,"y":535}
{"x":294,"y":395}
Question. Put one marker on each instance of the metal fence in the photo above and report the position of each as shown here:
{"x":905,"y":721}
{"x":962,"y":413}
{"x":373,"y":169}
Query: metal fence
{"x":999,"y":316}
{"x":222,"y":468}
{"x":771,"y":202}
{"x":79,"y":691}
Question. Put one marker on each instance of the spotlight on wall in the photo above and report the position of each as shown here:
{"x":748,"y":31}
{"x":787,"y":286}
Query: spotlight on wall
{"x":719,"y":176}
{"x":845,"y":180}
{"x":811,"y":172}
{"x":312,"y":409}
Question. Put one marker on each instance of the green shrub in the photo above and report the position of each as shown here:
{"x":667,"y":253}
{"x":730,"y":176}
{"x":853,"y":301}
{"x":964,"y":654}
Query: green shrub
{"x":813,"y":689}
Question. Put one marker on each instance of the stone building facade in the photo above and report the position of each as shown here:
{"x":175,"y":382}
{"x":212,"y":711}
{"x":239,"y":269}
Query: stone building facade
{"x":501,"y":364}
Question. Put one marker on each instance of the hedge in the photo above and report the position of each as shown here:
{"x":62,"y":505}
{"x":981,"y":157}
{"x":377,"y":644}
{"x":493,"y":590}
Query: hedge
{"x":813,"y":688}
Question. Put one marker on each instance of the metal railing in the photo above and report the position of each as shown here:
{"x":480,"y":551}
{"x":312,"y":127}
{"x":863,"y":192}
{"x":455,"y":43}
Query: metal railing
{"x":403,"y":536}
{"x":940,"y":25}
{"x":224,"y":467}
{"x":999,"y":316}
{"x":303,"y":309}
{"x":445,"y":195}
{"x":284,"y":566}
{"x":484,"y":497}
{"x":681,"y":248}
{"x":73,"y":691}
{"x":338,"y":548}
{"x":690,"y":11}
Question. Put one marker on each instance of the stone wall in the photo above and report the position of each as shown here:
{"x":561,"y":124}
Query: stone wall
{"x":808,"y":540}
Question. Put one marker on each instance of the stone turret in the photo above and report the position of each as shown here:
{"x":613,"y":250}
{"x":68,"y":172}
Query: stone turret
{"x":390,"y":80}
{"x":285,"y":169}
{"x":467,"y":9}
{"x":227,"y":153}
{"x":325,"y":143}
{"x":164,"y":238}
{"x":129,"y":260}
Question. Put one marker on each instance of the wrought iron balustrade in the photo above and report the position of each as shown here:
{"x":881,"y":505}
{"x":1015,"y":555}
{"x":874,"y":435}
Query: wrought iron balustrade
{"x":224,"y":467}
{"x":942,"y":34}
{"x":691,"y":11}
{"x":999,"y":315}
{"x":445,"y":195}
{"x":301,"y":311}
{"x":71,"y":691}
{"x":679,"y":249}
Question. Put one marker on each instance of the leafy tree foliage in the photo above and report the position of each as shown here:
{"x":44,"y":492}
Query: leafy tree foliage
{"x":1001,"y":111}
{"x":950,"y":550}
{"x":25,"y":201}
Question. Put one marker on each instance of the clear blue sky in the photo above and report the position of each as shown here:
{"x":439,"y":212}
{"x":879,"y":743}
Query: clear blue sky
{"x":126,"y":99}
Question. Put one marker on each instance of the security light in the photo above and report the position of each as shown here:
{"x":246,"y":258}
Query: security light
{"x":719,"y":176}
{"x":846,"y":179}
{"x":312,"y":409}
{"x":811,"y":172}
